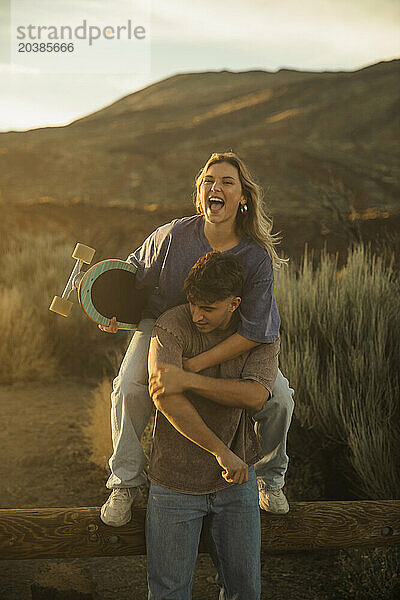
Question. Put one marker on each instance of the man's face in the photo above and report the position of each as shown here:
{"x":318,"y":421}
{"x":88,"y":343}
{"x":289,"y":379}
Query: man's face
{"x":217,"y":315}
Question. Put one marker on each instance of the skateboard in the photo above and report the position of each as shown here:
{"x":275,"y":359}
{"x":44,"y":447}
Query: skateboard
{"x":105,"y":290}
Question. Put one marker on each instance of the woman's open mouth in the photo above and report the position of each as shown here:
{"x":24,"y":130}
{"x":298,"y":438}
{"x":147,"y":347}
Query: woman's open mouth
{"x":215,"y":204}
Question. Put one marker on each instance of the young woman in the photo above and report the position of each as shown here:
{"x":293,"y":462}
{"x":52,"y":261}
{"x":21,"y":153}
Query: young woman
{"x":229,"y":218}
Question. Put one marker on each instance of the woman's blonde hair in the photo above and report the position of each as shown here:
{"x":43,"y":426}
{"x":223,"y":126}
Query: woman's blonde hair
{"x":253,"y":224}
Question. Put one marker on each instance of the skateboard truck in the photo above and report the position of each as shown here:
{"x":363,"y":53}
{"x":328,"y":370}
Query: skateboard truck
{"x":61,"y":304}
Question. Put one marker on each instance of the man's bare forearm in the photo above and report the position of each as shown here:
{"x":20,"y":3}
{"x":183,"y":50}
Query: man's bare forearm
{"x":183,"y":416}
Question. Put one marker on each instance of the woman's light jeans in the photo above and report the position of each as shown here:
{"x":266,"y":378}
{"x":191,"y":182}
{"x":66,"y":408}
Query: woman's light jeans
{"x":231,"y":526}
{"x":132,"y":407}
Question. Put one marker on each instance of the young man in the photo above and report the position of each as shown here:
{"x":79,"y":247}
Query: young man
{"x":201,"y":467}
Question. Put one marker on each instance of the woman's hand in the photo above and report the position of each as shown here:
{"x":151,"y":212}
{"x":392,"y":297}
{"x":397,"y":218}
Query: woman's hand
{"x":167,"y":380}
{"x":111,"y":328}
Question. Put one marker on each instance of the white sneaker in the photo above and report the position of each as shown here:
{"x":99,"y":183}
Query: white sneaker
{"x":272,"y":501}
{"x":278,"y":504}
{"x":116,"y":511}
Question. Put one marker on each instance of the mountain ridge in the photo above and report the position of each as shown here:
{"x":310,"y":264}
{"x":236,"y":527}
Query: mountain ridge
{"x":303,"y":134}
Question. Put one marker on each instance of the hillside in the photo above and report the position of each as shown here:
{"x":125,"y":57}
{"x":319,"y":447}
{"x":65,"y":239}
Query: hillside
{"x":303,"y":134}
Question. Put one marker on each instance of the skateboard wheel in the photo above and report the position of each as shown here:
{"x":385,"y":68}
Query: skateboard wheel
{"x":61,"y":306}
{"x":83,"y":253}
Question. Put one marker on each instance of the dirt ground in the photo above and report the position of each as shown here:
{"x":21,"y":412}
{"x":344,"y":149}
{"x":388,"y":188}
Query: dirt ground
{"x":47,"y":463}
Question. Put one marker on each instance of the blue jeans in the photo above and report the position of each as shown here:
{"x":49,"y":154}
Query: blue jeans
{"x":231,"y":522}
{"x":131,"y":409}
{"x":272,"y":424}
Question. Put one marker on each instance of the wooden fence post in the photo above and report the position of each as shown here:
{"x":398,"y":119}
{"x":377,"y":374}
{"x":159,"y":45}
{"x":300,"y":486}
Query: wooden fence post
{"x":79,"y":532}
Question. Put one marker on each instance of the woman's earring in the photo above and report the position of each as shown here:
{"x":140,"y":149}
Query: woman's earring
{"x":243,"y":208}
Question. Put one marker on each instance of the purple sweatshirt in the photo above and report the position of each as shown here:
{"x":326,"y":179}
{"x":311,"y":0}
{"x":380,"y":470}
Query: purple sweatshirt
{"x":167,"y":255}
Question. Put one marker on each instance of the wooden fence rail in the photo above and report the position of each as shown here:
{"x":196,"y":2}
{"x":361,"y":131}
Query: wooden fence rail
{"x":79,"y":532}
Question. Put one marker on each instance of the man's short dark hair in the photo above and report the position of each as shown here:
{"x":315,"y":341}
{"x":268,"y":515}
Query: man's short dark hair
{"x":215,"y":276}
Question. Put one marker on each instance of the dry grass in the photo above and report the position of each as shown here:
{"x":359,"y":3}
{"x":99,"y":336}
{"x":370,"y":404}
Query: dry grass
{"x":98,"y":432}
{"x":98,"y":428}
{"x":341,"y":347}
{"x":24,"y":350}
{"x":35,"y":343}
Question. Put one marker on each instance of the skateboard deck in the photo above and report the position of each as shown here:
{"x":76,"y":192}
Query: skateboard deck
{"x":105,"y":290}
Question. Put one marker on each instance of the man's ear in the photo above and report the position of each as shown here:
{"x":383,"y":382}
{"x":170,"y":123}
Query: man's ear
{"x":234,"y":304}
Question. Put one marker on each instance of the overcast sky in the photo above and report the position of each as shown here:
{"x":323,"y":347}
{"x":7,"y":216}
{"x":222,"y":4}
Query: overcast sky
{"x":192,"y":36}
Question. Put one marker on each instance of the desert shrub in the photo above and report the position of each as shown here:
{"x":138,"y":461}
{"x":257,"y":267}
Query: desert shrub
{"x":97,"y":431}
{"x":306,"y":478}
{"x":35,"y":342}
{"x":24,"y":349}
{"x":341,"y":348}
